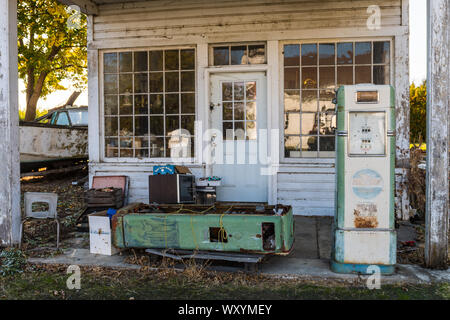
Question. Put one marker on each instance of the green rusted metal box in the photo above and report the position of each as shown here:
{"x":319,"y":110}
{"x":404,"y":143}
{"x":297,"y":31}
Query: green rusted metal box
{"x":226,"y":228}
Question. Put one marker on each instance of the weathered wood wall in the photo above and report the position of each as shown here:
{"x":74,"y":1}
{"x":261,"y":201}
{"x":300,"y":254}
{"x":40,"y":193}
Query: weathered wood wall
{"x":306,"y":184}
{"x":203,"y":19}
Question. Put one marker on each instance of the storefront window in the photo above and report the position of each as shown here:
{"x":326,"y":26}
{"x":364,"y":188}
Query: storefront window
{"x":149,"y":103}
{"x":312,"y":71}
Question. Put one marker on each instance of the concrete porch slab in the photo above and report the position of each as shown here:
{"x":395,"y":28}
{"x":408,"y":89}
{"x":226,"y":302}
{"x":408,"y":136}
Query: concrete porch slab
{"x":309,"y":258}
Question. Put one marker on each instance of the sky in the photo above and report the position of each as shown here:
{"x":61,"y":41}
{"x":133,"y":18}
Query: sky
{"x":417,"y":55}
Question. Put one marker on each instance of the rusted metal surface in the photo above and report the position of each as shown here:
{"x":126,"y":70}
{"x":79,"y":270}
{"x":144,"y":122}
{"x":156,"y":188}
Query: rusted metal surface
{"x":226,"y":228}
{"x":40,"y":143}
{"x":438,"y":100}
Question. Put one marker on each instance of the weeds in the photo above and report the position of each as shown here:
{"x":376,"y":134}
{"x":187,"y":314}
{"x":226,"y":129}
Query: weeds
{"x":12,"y":261}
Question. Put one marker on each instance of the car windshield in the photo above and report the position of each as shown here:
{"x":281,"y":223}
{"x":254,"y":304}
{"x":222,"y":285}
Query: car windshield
{"x":79,"y":117}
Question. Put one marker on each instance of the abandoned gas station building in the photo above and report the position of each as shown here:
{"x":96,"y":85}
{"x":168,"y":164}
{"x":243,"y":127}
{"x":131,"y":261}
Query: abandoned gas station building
{"x":169,"y":80}
{"x":157,"y":68}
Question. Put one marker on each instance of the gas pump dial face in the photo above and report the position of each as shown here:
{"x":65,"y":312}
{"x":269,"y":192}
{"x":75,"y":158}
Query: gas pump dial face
{"x":367,"y":133}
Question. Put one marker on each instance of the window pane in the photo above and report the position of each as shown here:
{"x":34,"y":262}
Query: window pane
{"x":327,"y":123}
{"x":327,"y":143}
{"x":172,"y":124}
{"x":344,"y":76}
{"x":381,"y":52}
{"x":172,"y":104}
{"x":291,"y":78}
{"x":141,"y":104}
{"x":363,"y":52}
{"x":363,"y":74}
{"x":140,"y":61}
{"x":221,"y":56}
{"x":251,"y":130}
{"x":157,"y":125}
{"x":238,"y":111}
{"x":251,"y":111}
{"x":140,"y":126}
{"x":140,"y":83}
{"x":187,"y":103}
{"x":292,"y":146}
{"x":291,"y":100}
{"x":156,"y":104}
{"x":326,"y":77}
{"x":309,"y":143}
{"x":125,"y":83}
{"x":381,"y":75}
{"x":239,"y":130}
{"x":188,"y":59}
{"x":291,"y":123}
{"x":257,"y":54}
{"x":110,"y":83}
{"x":63,"y":119}
{"x":171,"y":60}
{"x":309,"y":54}
{"x":188,"y":81}
{"x":187,"y":123}
{"x":326,"y":54}
{"x":156,"y":147}
{"x":326,"y":100}
{"x":126,"y":153}
{"x":239,"y":91}
{"x":238,"y":55}
{"x":227,"y":91}
{"x":111,"y":125}
{"x":309,"y":78}
{"x":250,"y":90}
{"x":141,"y":153}
{"x":227,"y":130}
{"x":292,"y":55}
{"x":309,"y":100}
{"x":125,"y":62}
{"x":111,"y":145}
{"x":172,"y":81}
{"x":111,"y":105}
{"x":156,"y":60}
{"x":309,"y":123}
{"x":227,"y":111}
{"x":126,"y":126}
{"x":141,"y":142}
{"x":126,"y":104}
{"x":345,"y":53}
{"x":156,"y":82}
{"x":110,"y":63}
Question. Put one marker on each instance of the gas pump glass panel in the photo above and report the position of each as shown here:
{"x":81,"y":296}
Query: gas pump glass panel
{"x":367,"y":134}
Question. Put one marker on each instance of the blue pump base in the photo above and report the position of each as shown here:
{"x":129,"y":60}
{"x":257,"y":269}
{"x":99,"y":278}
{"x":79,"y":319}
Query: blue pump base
{"x":360,"y":268}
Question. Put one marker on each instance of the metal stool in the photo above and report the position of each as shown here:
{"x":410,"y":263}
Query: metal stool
{"x":51,"y":199}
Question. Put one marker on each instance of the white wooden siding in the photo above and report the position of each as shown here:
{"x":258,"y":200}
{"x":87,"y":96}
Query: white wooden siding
{"x":309,"y":184}
{"x":308,"y":188}
{"x":210,"y":19}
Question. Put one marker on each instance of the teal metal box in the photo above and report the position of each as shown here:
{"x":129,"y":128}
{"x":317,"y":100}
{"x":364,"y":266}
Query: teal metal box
{"x":363,"y":231}
{"x":232,"y":228}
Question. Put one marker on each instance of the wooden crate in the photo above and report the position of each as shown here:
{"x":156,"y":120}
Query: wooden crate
{"x":106,"y":197}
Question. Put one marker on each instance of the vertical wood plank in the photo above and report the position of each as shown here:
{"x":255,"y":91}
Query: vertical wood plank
{"x":401,"y":84}
{"x":9,"y":127}
{"x":438,"y":91}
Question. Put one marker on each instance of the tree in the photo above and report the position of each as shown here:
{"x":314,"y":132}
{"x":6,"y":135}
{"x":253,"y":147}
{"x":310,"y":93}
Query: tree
{"x":418,"y":115}
{"x":52,"y":47}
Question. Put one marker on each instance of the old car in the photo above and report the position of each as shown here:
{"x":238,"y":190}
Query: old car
{"x":59,"y":137}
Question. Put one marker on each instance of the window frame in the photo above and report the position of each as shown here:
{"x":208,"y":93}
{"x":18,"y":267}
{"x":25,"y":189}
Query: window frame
{"x":318,"y":158}
{"x":235,"y":44}
{"x":102,"y":135}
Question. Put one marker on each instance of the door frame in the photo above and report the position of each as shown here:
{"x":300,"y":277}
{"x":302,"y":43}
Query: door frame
{"x":270,"y":124}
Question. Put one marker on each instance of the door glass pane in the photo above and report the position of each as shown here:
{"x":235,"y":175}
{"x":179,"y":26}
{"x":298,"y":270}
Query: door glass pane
{"x":227,"y":91}
{"x":239,"y":91}
{"x":251,"y":90}
{"x":227,"y":111}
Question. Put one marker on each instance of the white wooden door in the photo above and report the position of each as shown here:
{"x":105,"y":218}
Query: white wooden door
{"x":238,"y":117}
